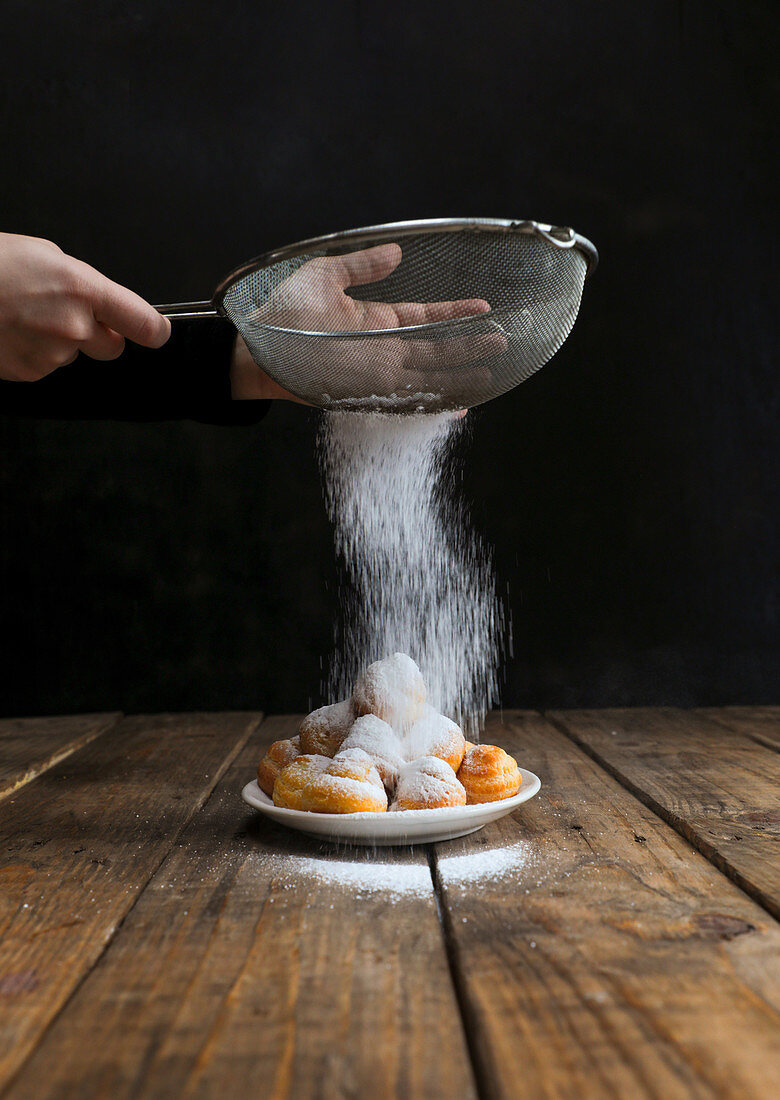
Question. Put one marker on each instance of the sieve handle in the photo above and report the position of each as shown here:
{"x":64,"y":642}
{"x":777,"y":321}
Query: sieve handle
{"x":188,"y":311}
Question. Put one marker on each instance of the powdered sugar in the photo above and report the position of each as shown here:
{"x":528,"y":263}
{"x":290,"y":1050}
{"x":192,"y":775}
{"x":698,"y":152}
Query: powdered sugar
{"x":486,"y":864}
{"x":341,"y":786}
{"x":427,"y":782}
{"x":358,"y":876}
{"x":377,"y":739}
{"x":351,"y":763}
{"x":326,"y":783}
{"x":324,"y":729}
{"x":366,"y":874}
{"x":432,"y":734}
{"x":393,"y":689}
{"x":284,"y":752}
{"x":417,"y":401}
{"x":336,"y":718}
{"x":417,"y":579}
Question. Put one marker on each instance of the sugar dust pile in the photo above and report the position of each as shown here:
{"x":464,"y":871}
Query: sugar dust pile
{"x":416,"y":578}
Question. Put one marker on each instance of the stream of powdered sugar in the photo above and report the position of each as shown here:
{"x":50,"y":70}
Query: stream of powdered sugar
{"x":416,"y":577}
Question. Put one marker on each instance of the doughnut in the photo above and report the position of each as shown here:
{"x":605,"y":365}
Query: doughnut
{"x":280,"y":754}
{"x":347,"y":784}
{"x":323,"y":730}
{"x":393,"y":690}
{"x":426,"y":784}
{"x":489,"y":774}
{"x":375,"y":737}
{"x":433,"y":734}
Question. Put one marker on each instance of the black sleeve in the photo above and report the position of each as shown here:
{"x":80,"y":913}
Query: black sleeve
{"x":187,"y":379}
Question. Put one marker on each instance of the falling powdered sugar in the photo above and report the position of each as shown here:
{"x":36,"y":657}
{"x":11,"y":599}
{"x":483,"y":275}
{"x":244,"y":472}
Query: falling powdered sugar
{"x":377,"y":739}
{"x":433,"y":734}
{"x":392,"y":688}
{"x":416,"y":578}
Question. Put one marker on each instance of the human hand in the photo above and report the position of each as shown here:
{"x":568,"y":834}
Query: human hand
{"x":53,"y":306}
{"x":314,"y":299}
{"x":249,"y":382}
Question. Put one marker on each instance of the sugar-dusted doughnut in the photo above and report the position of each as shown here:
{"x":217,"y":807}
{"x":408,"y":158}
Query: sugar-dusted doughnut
{"x":489,"y":774}
{"x":324,"y":729}
{"x":377,"y":738}
{"x":280,"y":754}
{"x":426,"y":784}
{"x":393,"y":689}
{"x":347,"y":784}
{"x":434,"y":734}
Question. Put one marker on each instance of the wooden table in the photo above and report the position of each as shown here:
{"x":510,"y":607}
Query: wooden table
{"x":616,"y":937}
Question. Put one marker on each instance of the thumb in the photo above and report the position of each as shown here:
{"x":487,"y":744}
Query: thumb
{"x":128,"y":314}
{"x":367,"y":266}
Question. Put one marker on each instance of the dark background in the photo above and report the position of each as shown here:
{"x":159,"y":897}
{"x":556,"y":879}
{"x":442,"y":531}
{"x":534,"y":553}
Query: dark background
{"x":628,"y":488}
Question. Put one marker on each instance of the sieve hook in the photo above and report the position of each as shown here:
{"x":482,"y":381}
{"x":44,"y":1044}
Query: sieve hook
{"x":559,"y":237}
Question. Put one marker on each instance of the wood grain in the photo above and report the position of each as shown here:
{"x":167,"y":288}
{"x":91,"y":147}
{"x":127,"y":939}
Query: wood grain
{"x":597,"y":954}
{"x":760,"y":723}
{"x":260,"y":963}
{"x":717,"y":787}
{"x":79,"y":844}
{"x":28,"y":746}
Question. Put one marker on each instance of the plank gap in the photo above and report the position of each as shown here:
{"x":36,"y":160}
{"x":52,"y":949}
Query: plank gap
{"x":760,"y":724}
{"x":598,"y":952}
{"x":478,"y":1067}
{"x":6,"y":1083}
{"x":767,"y":742}
{"x":29,"y":747}
{"x":682,"y":827}
{"x":251,"y":957}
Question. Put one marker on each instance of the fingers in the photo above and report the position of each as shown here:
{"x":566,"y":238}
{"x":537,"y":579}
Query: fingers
{"x":103,"y":343}
{"x":426,"y":313}
{"x":440,"y":354}
{"x":410,"y":369}
{"x":367,"y":266}
{"x":128,"y":314}
{"x":249,"y":382}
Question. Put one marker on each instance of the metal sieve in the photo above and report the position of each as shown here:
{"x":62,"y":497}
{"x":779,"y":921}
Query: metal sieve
{"x":411,"y":316}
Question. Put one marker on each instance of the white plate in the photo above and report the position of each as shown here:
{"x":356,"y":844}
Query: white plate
{"x":398,"y":827}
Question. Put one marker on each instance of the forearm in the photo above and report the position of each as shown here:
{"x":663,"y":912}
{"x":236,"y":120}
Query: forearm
{"x":188,"y":378}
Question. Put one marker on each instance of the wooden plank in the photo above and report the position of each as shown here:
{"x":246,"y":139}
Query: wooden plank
{"x":28,"y":746}
{"x":718,"y":788}
{"x":597,"y":954}
{"x":259,"y":962}
{"x":760,"y":723}
{"x":80,"y":843}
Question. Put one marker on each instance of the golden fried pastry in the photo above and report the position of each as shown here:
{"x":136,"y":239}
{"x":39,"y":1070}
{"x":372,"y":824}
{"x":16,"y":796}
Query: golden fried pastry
{"x":375,"y":737}
{"x":434,"y":734}
{"x":489,"y":774}
{"x":393,"y":690}
{"x":280,"y":754}
{"x":469,"y":745}
{"x":323,"y":730}
{"x":426,"y":784}
{"x":347,"y":784}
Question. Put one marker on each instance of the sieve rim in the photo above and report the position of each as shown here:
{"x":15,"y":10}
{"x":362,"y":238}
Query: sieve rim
{"x":492,"y":315}
{"x":558,"y":236}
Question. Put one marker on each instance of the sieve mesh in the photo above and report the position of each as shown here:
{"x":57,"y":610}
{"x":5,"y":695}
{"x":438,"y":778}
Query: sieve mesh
{"x":321,"y":329}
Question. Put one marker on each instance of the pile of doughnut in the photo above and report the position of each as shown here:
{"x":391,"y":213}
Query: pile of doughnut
{"x":384,"y":749}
